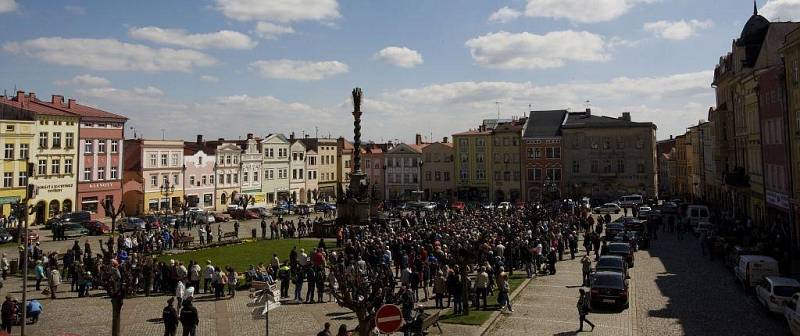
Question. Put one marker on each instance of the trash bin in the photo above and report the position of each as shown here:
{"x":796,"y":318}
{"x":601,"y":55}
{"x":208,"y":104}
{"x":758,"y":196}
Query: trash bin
{"x":253,"y":233}
{"x":13,"y":266}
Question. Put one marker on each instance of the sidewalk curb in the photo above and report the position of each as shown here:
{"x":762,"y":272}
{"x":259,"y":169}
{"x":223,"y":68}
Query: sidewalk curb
{"x":488,"y":324}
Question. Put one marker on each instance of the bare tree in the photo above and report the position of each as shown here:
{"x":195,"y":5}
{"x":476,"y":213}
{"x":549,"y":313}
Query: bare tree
{"x":361,"y":293}
{"x":118,"y":285}
{"x":114,"y":213}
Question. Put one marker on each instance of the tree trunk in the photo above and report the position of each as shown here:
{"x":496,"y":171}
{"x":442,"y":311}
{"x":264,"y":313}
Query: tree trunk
{"x":116,"y":316}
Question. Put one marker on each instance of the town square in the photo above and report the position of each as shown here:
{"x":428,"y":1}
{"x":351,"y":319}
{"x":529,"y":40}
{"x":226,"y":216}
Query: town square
{"x":333,"y":167}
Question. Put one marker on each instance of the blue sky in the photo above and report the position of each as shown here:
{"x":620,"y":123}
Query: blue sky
{"x":224,"y":68}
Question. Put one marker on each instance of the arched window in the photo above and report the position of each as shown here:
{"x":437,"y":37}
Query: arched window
{"x":223,"y":199}
{"x":67,"y":205}
{"x":53,"y":209}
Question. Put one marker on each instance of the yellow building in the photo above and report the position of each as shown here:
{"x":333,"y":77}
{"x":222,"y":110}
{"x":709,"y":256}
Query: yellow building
{"x":54,"y":154}
{"x":16,"y":136}
{"x":472,"y":151}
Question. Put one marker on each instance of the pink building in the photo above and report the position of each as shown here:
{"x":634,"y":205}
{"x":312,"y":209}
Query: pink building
{"x":199,"y":159}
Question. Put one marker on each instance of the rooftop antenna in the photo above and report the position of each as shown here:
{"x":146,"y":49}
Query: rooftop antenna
{"x":498,"y":109}
{"x":755,"y":8}
{"x":134,"y":131}
{"x":163,"y":134}
{"x":588,"y":103}
{"x":530,"y":108}
{"x":316,"y":132}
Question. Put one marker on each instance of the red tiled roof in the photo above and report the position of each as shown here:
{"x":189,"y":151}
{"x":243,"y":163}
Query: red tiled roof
{"x":474,"y":132}
{"x":25,"y":102}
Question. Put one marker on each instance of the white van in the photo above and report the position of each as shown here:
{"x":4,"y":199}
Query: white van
{"x":696,"y":214}
{"x":630,"y":201}
{"x":751,"y":269}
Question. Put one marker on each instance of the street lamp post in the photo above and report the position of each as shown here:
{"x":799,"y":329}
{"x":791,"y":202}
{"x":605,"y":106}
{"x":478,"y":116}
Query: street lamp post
{"x":166,"y":190}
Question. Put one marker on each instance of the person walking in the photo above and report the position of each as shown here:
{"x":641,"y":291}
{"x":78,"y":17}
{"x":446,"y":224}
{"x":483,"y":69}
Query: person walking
{"x":54,"y":279}
{"x":8,"y":313}
{"x":583,"y":309}
{"x":587,"y":269}
{"x":207,"y":276}
{"x":264,"y":228}
{"x":170,"y":317}
{"x":503,"y":300}
{"x":189,"y":319}
{"x":39,"y":271}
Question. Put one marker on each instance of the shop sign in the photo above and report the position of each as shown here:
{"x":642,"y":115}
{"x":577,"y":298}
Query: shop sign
{"x":100,"y":185}
{"x":9,"y":199}
{"x":53,"y":188}
{"x":778,"y":200}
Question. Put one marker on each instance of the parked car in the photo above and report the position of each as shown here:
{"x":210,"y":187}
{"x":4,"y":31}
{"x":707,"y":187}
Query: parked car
{"x":607,"y":208}
{"x":669,"y":208}
{"x":697,"y":213}
{"x":216,"y":217}
{"x":169,"y":221}
{"x":132,"y":224}
{"x":732,"y":258}
{"x":630,"y":201}
{"x":322,"y":207}
{"x":96,"y":228}
{"x":612,"y":229}
{"x":608,"y":288}
{"x":623,"y":250}
{"x":74,"y":230}
{"x":487,"y":206}
{"x":280,"y":211}
{"x":458,"y":205}
{"x":791,"y":312}
{"x":504,"y":206}
{"x":611,"y":263}
{"x":76,"y":217}
{"x":751,"y":269}
{"x":5,"y":236}
{"x":152,"y":222}
{"x":702,"y":227}
{"x":644,"y":212}
{"x":262,"y":211}
{"x":774,"y":292}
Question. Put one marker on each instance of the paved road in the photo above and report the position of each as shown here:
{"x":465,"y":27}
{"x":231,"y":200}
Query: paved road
{"x":674,"y":291}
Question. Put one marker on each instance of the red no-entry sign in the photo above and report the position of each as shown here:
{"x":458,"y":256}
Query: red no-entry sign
{"x":389,"y":318}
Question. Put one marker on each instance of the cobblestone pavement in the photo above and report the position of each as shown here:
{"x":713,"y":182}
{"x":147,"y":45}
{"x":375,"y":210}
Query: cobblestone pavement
{"x":674,"y":291}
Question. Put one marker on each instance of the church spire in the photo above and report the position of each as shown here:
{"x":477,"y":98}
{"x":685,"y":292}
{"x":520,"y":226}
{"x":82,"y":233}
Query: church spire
{"x":755,"y":8}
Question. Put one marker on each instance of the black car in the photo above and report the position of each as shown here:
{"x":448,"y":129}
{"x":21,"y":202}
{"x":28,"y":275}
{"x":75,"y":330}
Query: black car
{"x":613,"y":229}
{"x":611,"y":263}
{"x":669,"y":208}
{"x":608,"y":288}
{"x":623,"y":250}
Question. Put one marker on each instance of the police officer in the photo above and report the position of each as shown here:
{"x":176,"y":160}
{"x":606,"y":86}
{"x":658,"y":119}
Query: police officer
{"x":170,"y":317}
{"x":189,"y":318}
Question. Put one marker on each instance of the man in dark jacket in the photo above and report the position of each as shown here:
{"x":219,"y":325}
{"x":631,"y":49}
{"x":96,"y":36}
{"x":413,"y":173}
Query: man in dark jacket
{"x":189,"y":318}
{"x":170,"y":317}
{"x":8,"y":313}
{"x":583,"y":309}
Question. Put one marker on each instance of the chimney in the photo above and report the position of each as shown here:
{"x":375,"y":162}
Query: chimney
{"x":220,"y":139}
{"x":249,"y":136}
{"x":670,"y":136}
{"x":418,"y":139}
{"x":32,"y":96}
{"x":57,"y":100}
{"x":444,"y":140}
{"x":588,"y":111}
{"x":199,"y":139}
{"x":21,"y":98}
{"x":307,"y":135}
{"x":291,"y":136}
{"x":71,"y":103}
{"x":626,"y":116}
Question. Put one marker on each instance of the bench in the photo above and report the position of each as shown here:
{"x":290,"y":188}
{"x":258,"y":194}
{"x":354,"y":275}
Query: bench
{"x":184,"y":241}
{"x":232,"y":235}
{"x":432,"y":320}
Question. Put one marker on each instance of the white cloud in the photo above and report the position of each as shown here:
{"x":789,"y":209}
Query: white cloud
{"x":676,"y":30}
{"x":457,"y":106}
{"x":7,"y":6}
{"x":223,"y":39}
{"x":581,"y":11}
{"x":299,"y":70}
{"x":279,"y":10}
{"x":208,"y":78}
{"x":148,"y":91}
{"x":525,"y":50}
{"x":109,"y":54}
{"x":504,"y":15}
{"x":400,"y":56}
{"x":75,"y":10}
{"x":781,"y":10}
{"x":268,"y":30}
{"x":85,"y":80}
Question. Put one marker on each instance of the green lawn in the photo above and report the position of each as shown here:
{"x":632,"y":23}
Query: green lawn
{"x":241,"y":256}
{"x":478,"y":317}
